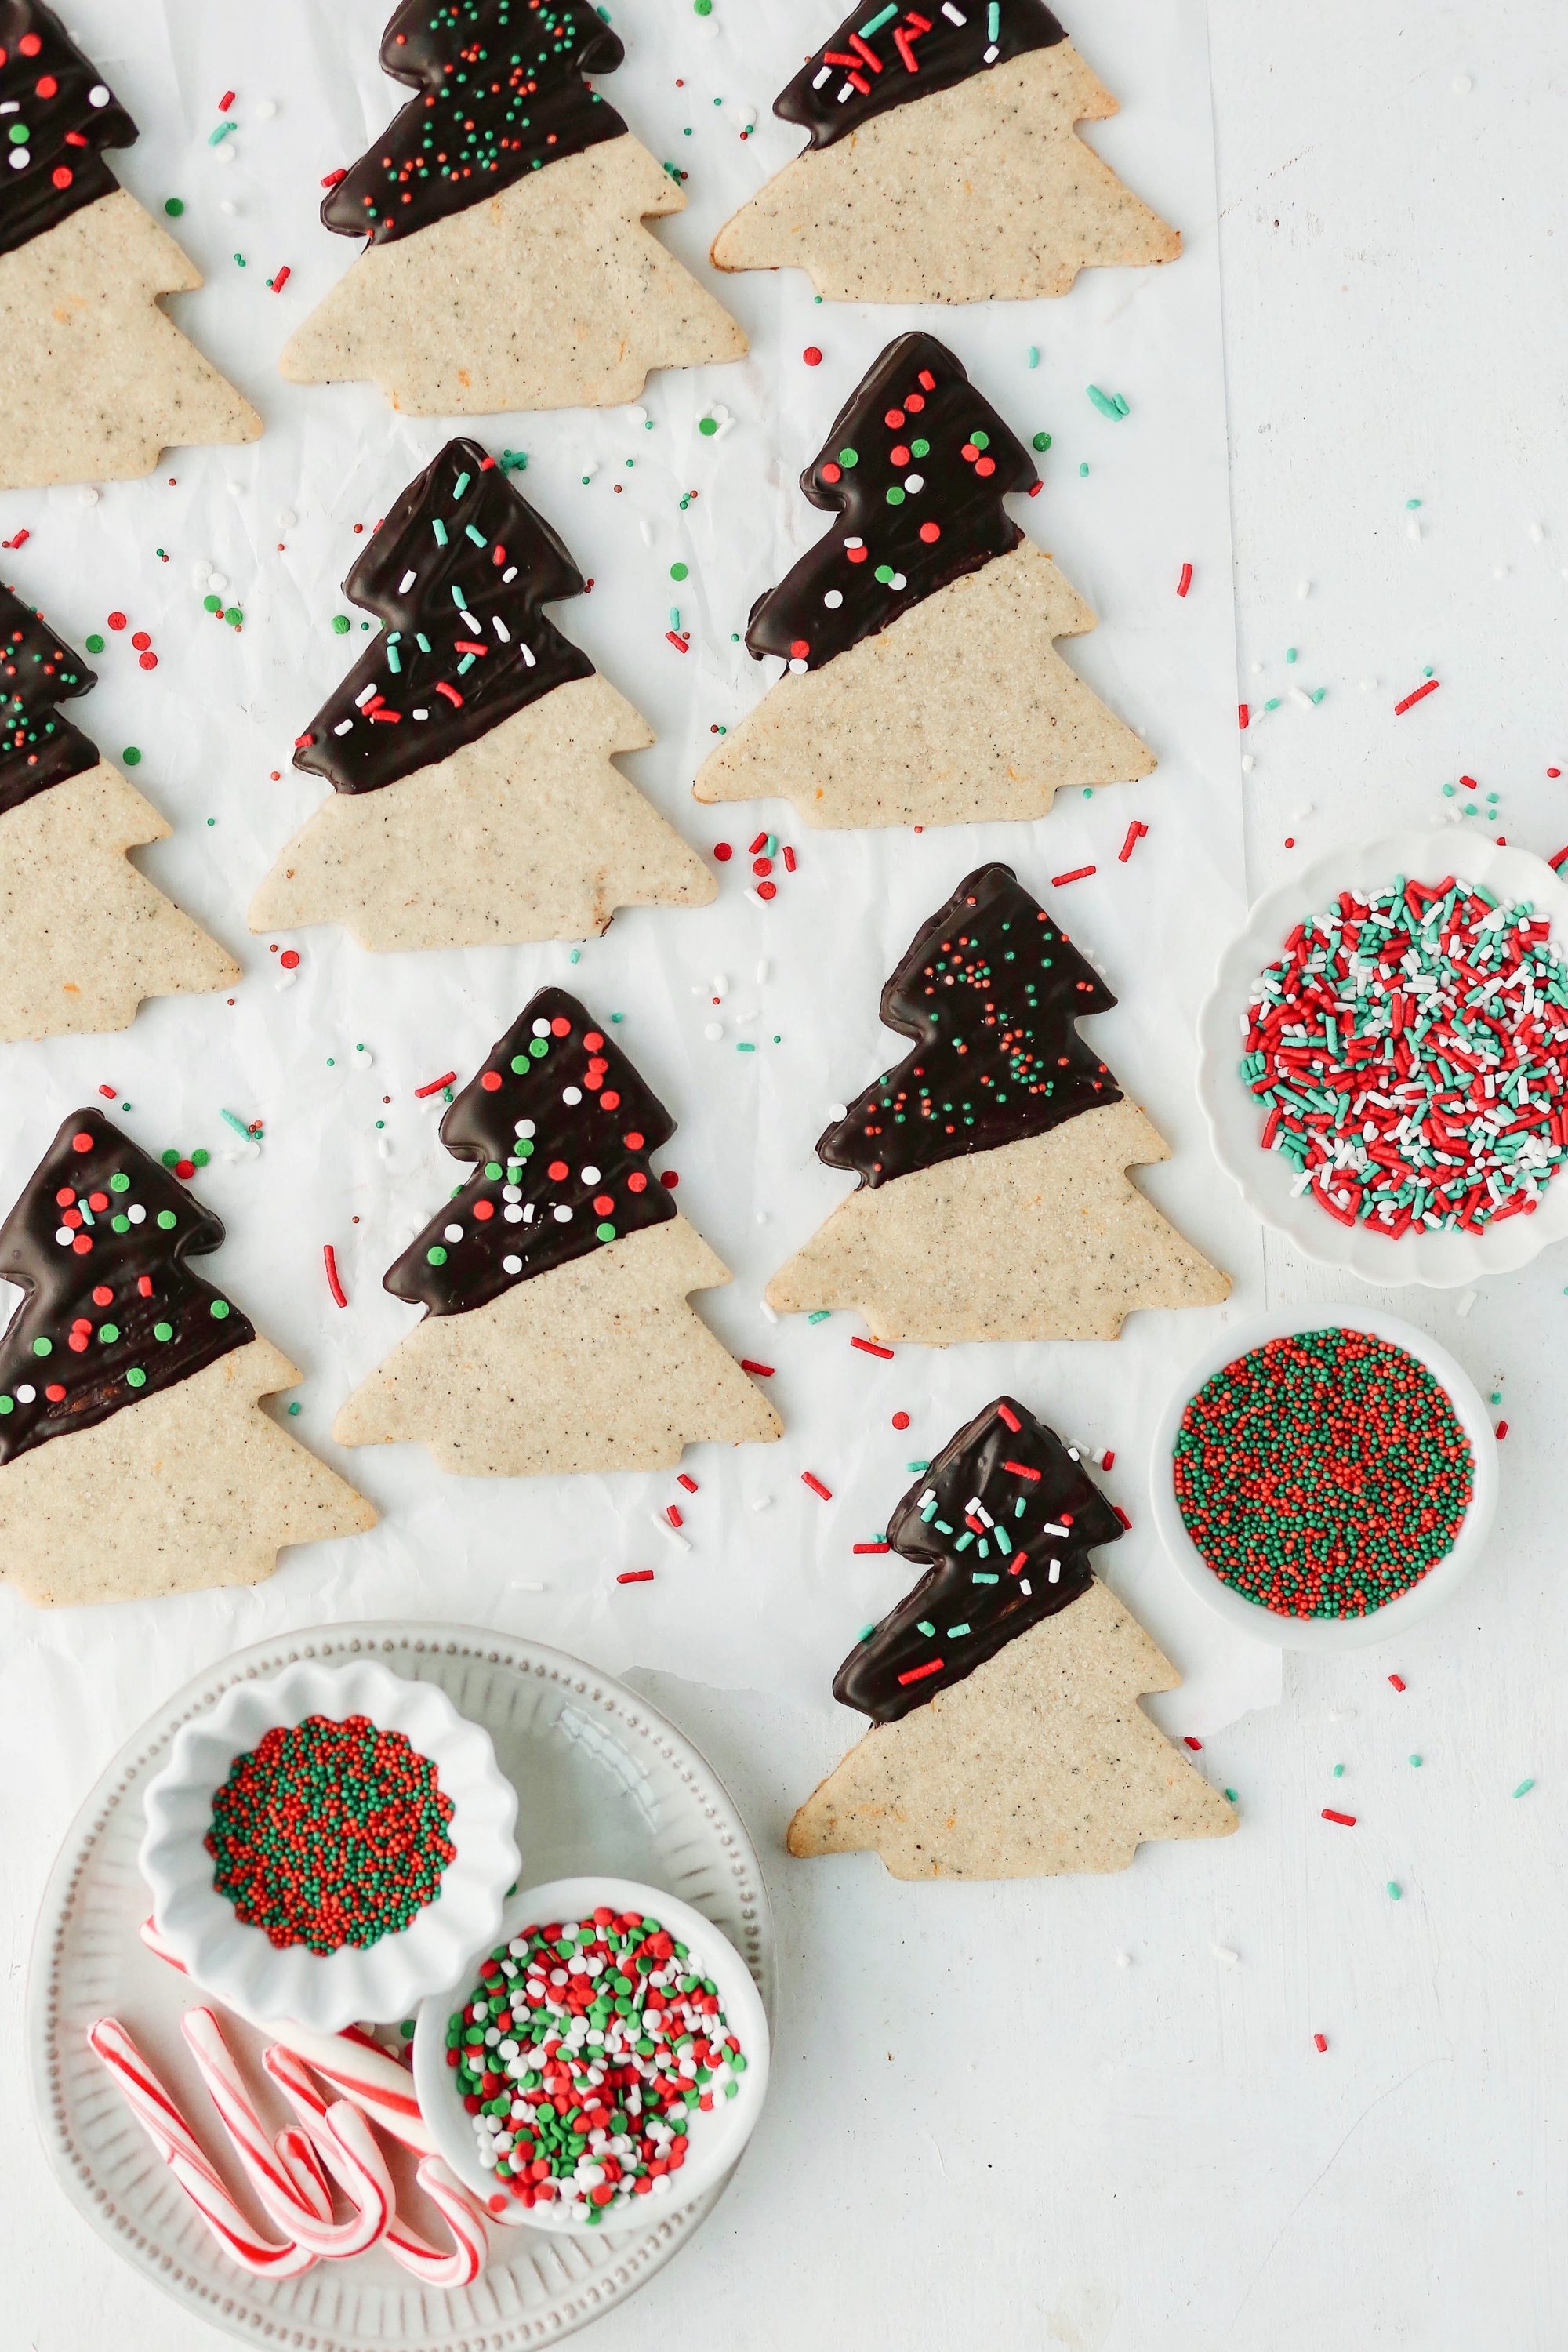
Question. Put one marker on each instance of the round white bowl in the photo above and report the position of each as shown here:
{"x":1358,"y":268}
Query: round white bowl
{"x":1326,"y":1633}
{"x":716,"y":2138}
{"x":1439,"y":1260}
{"x":238,"y":1964}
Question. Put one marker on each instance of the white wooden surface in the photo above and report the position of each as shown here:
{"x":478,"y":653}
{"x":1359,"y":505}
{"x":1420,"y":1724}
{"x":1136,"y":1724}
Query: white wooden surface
{"x":984,"y":2128}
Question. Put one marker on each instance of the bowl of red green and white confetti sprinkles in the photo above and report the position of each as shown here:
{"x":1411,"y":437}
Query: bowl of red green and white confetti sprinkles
{"x":1322,"y":1480}
{"x":328,"y":1843}
{"x":1384,"y":1060}
{"x":607,"y":2050}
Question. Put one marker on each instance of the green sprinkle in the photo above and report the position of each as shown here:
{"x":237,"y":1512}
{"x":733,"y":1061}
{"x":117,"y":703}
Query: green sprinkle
{"x":174,"y":207}
{"x":136,"y":1378}
{"x":131,"y":756}
{"x":341,"y":621}
{"x":678,"y":571}
{"x":707,"y":426}
{"x":1042,"y":441}
{"x":95,"y":643}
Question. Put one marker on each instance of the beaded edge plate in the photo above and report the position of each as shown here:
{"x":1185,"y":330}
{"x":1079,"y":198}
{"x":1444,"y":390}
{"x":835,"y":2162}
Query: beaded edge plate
{"x":618,"y":1788}
{"x":1438,"y":1261}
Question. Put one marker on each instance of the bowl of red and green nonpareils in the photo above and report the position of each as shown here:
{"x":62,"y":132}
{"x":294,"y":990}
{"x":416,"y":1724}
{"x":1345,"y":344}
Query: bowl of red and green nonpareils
{"x":1323,"y":1479}
{"x":326,"y":1843}
{"x":606,"y":2049}
{"x":1383,"y":1059}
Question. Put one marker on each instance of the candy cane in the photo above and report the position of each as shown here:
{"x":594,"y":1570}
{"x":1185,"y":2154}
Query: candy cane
{"x":172,"y":2136}
{"x":350,"y":2155}
{"x":459,"y":2267}
{"x":382,"y":2087}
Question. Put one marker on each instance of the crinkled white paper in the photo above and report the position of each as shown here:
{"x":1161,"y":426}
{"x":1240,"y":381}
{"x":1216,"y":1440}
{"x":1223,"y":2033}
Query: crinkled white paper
{"x":765,"y":1590}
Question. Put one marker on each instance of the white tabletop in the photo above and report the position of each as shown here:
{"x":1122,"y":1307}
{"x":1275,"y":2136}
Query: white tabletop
{"x":984,"y":2127}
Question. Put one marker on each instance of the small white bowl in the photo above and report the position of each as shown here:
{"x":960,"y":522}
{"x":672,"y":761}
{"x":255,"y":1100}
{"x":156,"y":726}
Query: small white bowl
{"x":238,"y":1964}
{"x":1441,"y":1261}
{"x":716,"y":2138}
{"x":1326,"y":1633}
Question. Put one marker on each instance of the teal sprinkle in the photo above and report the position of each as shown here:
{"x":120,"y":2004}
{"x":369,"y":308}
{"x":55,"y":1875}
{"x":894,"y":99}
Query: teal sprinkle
{"x":439,"y":527}
{"x":1395,"y":1890}
{"x":232,"y":1119}
{"x":475,"y":535}
{"x":822,"y":1313}
{"x":993,"y":20}
{"x":1524,"y":1788}
{"x":216,"y":137}
{"x":461,"y":484}
{"x":875,"y":24}
{"x":955,"y":1632}
{"x":743,"y":1048}
{"x":1104,"y":401}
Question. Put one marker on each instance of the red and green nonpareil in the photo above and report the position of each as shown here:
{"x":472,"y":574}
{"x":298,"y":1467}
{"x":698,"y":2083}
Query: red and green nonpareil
{"x":1322,"y":1475}
{"x":330,"y":1833}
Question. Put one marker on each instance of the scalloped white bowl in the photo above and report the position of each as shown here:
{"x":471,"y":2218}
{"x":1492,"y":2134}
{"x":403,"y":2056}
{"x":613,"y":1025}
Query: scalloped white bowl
{"x":1395,"y":1617}
{"x":716,"y":2138}
{"x":238,"y":1964}
{"x":1439,"y":1260}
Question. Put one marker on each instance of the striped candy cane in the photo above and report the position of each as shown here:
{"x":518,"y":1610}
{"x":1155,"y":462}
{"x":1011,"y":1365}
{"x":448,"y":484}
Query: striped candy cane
{"x":382,"y":2087}
{"x":343,"y":2144}
{"x":459,"y":2266}
{"x":172,"y":2136}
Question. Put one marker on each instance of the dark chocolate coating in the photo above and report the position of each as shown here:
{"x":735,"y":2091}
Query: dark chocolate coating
{"x":990,"y":989}
{"x":457,"y":576}
{"x":501,"y":94}
{"x":99,"y":1241}
{"x":916,"y":449}
{"x":881,"y":57}
{"x":1064,"y":1518}
{"x":37,"y":670}
{"x":61,"y":115}
{"x":591,"y":1128}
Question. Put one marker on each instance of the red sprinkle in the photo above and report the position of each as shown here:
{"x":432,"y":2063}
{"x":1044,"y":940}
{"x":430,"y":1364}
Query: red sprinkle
{"x":900,"y":1421}
{"x":1398,"y":1680}
{"x":330,"y":1259}
{"x":812,"y":356}
{"x":289,"y":958}
{"x":1079,"y":874}
{"x":1121,"y":1515}
{"x":1243,"y":715}
{"x":869,"y":1348}
{"x":1135,"y":833}
{"x":679,"y":643}
{"x":724,"y":852}
{"x":788,"y":859}
{"x":673,"y":1516}
{"x":280,"y":279}
{"x":635,"y":1576}
{"x":809,"y":1479}
{"x":109,"y":1093}
{"x":881,"y":1546}
{"x":1022,"y":1470}
{"x":1556,"y":862}
{"x":1319,"y":2041}
{"x":1188,"y":1741}
{"x":1186,"y":581}
{"x":434,"y":1086}
{"x":226,"y":101}
{"x":1345,"y":1821}
{"x":918,"y":1674}
{"x":761,"y":842}
{"x":1108,"y":1460}
{"x":759,"y":1371}
{"x":1419,"y":695}
{"x":333,"y":177}
{"x":682,"y":1480}
{"x":1501,"y":1431}
{"x":117,"y":620}
{"x":1011,"y":1418}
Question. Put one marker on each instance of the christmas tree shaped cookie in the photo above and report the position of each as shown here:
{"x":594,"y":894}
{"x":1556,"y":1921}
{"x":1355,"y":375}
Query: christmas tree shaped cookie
{"x":471,"y":747}
{"x":557,"y":1334}
{"x":87,"y":937}
{"x":922,"y":686}
{"x":506,"y":264}
{"x":95,"y":381}
{"x":1008,"y":1741}
{"x":943,"y":166}
{"x":994,"y":1201}
{"x":134,"y":1457}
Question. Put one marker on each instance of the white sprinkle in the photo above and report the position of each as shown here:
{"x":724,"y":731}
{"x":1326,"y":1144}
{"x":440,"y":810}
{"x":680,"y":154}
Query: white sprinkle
{"x":1247,"y":763}
{"x":87,"y":495}
{"x":1124,"y":1960}
{"x":1413,"y":531}
{"x":762,"y":1503}
{"x":511,"y":1266}
{"x":762,"y":971}
{"x":407,"y":582}
{"x":1303,"y":589}
{"x":1463,"y":85}
{"x":838,"y":1111}
{"x":1537,"y":533}
{"x":769,"y":1313}
{"x":662,"y":1524}
{"x":265,"y":109}
{"x":1299,"y":694}
{"x":1224,"y":1953}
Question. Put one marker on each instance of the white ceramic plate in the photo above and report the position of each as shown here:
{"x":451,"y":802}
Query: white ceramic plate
{"x":606,"y":1785}
{"x":1435,"y":1587}
{"x":1441,"y":1261}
